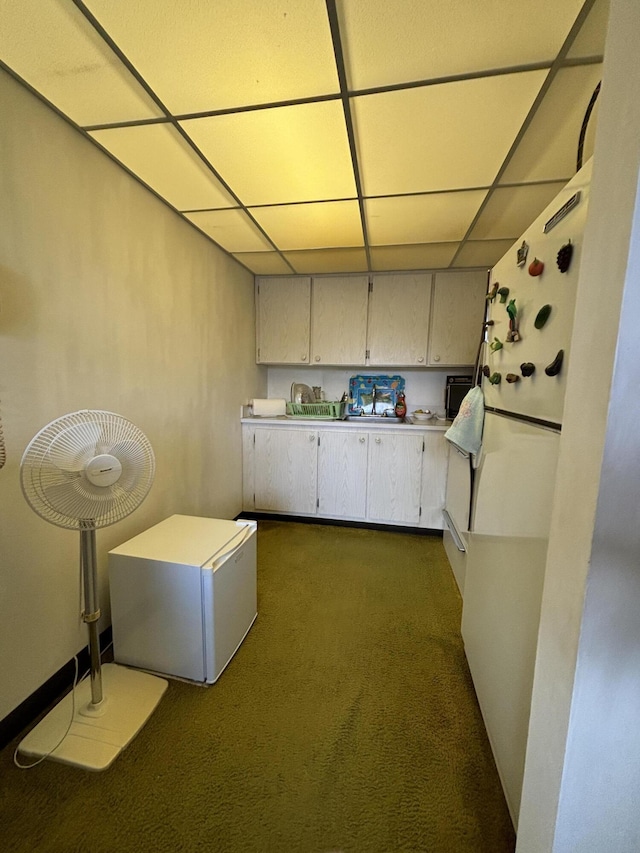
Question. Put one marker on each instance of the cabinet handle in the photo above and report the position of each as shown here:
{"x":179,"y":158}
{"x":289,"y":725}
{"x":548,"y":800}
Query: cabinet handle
{"x":317,"y":358}
{"x":420,"y":359}
{"x":312,"y":438}
{"x":378,"y":440}
{"x":436,"y":358}
{"x":362,"y":440}
{"x":303,"y":358}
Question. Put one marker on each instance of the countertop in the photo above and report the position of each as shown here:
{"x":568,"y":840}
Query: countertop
{"x":343,"y":424}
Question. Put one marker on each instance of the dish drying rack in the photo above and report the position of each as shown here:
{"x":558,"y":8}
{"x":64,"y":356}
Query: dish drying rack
{"x":330,"y":411}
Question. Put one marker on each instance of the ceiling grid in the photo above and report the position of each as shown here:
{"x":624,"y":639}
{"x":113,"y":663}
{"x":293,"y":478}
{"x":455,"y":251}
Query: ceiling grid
{"x":327,"y":136}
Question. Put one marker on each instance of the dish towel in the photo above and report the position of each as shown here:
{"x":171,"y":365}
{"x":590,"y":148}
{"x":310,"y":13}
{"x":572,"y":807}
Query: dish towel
{"x":466,"y":430}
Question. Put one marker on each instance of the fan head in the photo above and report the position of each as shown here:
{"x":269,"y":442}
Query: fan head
{"x":87,"y":469}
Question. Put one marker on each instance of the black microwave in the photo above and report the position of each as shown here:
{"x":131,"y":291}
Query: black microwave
{"x":456,"y":390}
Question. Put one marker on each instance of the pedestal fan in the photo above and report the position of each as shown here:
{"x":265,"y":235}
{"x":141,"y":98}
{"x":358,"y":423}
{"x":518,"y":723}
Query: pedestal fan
{"x":83,"y":471}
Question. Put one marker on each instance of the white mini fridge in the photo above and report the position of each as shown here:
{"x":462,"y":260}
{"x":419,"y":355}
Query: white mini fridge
{"x":184,"y":596}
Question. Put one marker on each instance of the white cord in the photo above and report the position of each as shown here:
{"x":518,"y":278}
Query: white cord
{"x":53,"y":748}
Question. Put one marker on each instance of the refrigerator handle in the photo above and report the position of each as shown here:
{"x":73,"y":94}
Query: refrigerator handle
{"x":244,"y":535}
{"x":452,"y":529}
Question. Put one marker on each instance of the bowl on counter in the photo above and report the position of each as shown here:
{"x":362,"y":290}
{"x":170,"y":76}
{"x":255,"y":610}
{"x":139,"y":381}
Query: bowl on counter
{"x":421,"y":416}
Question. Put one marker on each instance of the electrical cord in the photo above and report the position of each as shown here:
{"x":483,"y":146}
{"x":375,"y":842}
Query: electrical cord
{"x":68,"y":729}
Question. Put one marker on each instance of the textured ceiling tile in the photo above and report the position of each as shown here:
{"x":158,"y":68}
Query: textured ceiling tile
{"x":201,"y":56}
{"x":591,"y":38}
{"x":328,"y":260}
{"x":55,"y":50}
{"x":286,"y":154}
{"x":510,"y":211}
{"x":433,"y":218}
{"x":231,"y":229}
{"x":482,"y":253}
{"x":160,"y":157}
{"x":549,"y":147}
{"x":263,"y":263}
{"x":419,"y":257}
{"x":441,"y":137}
{"x":312,"y":226}
{"x":387,"y":42}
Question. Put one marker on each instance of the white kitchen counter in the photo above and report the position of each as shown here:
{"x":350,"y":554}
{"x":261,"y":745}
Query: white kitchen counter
{"x":315,"y":423}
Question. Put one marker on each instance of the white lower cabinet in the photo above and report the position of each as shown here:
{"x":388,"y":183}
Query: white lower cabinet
{"x":381,"y":475}
{"x":286,"y":470}
{"x":435,"y":462}
{"x":394,"y":478}
{"x":342,"y":474}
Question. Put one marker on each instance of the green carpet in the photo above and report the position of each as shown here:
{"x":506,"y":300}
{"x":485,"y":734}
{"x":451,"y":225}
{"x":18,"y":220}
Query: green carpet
{"x":346,"y":722}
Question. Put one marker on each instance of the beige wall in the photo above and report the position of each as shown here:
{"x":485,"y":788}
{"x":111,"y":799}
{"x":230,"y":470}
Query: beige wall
{"x":108,"y":300}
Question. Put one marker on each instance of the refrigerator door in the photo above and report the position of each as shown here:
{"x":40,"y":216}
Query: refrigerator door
{"x":506,"y":560}
{"x":229,"y":598}
{"x":539,"y":395}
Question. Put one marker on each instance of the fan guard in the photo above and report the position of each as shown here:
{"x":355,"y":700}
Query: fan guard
{"x":87,"y":469}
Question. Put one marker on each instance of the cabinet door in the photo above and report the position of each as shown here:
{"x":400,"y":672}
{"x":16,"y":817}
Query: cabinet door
{"x":339,"y":319}
{"x":459,"y":303}
{"x":286,"y":470}
{"x":342,"y":473}
{"x":393,"y":477}
{"x":283,"y":320}
{"x":434,"y":479}
{"x":399,"y":319}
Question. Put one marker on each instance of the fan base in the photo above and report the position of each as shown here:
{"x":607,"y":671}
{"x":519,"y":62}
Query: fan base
{"x":94,"y":742}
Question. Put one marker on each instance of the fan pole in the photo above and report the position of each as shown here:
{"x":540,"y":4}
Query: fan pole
{"x":91,"y":610}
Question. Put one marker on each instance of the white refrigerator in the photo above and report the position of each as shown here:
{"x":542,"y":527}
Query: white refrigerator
{"x":184,"y":596}
{"x":513,"y":485}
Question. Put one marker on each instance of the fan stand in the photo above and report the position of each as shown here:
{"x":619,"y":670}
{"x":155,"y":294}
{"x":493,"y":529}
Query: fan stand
{"x":99,"y":725}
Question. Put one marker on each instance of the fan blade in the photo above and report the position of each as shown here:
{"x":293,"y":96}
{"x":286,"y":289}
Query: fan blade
{"x":73,"y":447}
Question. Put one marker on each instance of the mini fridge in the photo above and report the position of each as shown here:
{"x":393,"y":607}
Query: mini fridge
{"x":184,"y":596}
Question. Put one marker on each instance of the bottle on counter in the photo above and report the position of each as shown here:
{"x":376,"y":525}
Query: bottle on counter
{"x":401,"y":405}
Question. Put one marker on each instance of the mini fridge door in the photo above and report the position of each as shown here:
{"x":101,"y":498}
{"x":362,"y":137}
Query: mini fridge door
{"x":230,"y":605}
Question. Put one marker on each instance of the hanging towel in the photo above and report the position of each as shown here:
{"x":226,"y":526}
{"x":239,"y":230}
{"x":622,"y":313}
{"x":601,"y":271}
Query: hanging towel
{"x":466,"y":430}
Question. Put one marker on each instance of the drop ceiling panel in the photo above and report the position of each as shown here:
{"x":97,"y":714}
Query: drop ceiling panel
{"x":549,"y":147}
{"x":482,"y":253}
{"x":280,"y":155}
{"x":419,"y":257}
{"x":384,"y":43}
{"x":200,"y":56}
{"x":312,"y":226}
{"x":590,"y":40}
{"x":160,"y":157}
{"x":441,"y":137}
{"x":328,"y":260}
{"x":231,"y":229}
{"x":510,"y":211}
{"x":431,"y":218}
{"x":52,"y":46}
{"x":264,"y":263}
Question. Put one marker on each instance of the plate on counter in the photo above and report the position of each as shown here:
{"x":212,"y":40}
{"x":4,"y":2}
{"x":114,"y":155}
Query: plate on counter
{"x":361,"y":392}
{"x":301,"y":393}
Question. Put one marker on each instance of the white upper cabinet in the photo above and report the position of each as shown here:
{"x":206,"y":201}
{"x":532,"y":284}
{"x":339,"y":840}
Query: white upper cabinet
{"x":399,"y":306}
{"x":283,"y":312}
{"x":339,"y":319}
{"x":406,"y":319}
{"x":458,"y":309}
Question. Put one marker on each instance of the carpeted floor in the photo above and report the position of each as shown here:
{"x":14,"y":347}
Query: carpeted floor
{"x":346,"y":722}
